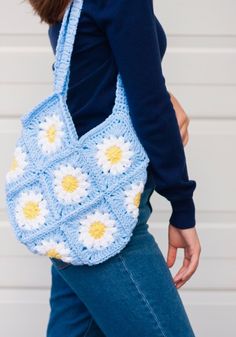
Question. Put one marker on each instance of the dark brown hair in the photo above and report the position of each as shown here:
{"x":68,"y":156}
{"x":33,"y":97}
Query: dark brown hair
{"x":50,"y":11}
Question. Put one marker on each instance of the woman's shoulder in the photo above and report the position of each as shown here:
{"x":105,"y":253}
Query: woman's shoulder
{"x":109,"y":10}
{"x":53,"y":33}
{"x":100,"y":5}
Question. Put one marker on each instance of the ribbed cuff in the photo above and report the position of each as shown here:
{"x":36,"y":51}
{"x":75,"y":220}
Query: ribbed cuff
{"x":183,"y":214}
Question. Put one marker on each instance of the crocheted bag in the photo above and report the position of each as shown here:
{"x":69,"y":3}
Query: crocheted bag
{"x":75,"y":199}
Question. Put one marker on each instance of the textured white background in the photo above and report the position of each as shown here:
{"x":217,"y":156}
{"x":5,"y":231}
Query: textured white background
{"x":200,"y":69}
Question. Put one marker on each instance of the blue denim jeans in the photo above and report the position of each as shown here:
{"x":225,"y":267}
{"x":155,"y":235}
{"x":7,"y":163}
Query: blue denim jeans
{"x":132,"y":294}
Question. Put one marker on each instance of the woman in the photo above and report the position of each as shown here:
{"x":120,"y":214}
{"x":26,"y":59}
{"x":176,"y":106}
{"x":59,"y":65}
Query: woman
{"x":132,"y":293}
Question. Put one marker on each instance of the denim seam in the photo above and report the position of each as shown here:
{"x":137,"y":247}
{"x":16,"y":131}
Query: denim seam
{"x":142,"y":295}
{"x":89,"y":326}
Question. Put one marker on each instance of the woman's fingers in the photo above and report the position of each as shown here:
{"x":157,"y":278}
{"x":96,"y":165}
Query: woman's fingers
{"x":182,"y":119}
{"x":191,"y":267}
{"x":184,"y":133}
{"x":187,"y":270}
{"x":180,"y":272}
{"x":185,"y":139}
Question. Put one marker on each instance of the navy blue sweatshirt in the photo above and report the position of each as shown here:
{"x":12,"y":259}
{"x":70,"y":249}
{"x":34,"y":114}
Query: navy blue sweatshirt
{"x":126,"y":35}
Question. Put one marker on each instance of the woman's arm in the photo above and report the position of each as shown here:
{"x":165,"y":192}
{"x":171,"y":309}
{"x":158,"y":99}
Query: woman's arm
{"x":131,"y":32}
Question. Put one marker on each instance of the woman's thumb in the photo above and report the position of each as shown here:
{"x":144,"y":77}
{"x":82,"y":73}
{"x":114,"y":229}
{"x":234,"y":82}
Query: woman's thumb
{"x":171,"y":255}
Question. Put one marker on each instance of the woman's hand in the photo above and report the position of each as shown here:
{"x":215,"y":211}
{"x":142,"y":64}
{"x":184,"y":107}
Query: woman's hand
{"x":187,"y":239}
{"x":182,"y":118}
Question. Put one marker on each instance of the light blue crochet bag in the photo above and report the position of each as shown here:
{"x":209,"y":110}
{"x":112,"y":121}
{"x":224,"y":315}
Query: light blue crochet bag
{"x":75,"y":199}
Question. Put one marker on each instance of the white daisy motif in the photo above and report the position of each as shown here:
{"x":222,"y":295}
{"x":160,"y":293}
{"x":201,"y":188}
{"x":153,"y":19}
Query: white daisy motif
{"x":70,"y":184}
{"x":18,"y":165}
{"x":31,"y":210}
{"x":97,"y":230}
{"x":114,"y":154}
{"x":54,"y":249}
{"x":50,"y":134}
{"x":133,"y":198}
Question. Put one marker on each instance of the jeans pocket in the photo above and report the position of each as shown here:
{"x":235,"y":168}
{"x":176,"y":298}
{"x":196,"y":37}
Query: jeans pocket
{"x":59,"y":264}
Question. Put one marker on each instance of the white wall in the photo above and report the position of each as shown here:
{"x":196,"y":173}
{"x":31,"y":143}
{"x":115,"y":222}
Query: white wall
{"x":200,"y":69}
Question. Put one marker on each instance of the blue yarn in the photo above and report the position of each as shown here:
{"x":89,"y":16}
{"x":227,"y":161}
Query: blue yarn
{"x":48,"y":217}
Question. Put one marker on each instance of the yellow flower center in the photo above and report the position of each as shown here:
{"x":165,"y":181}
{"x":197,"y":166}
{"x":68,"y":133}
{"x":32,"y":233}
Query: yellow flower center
{"x":51,"y":134}
{"x":97,"y":229}
{"x":137,"y":199}
{"x":14,"y":165}
{"x":31,"y":210}
{"x":53,"y":253}
{"x":114,"y":154}
{"x":70,"y":183}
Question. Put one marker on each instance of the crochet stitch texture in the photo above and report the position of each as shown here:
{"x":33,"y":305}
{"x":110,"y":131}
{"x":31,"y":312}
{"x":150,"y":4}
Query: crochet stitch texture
{"x":75,"y":199}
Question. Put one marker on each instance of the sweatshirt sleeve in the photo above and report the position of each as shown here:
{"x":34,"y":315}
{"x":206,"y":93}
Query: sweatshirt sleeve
{"x":131,"y":32}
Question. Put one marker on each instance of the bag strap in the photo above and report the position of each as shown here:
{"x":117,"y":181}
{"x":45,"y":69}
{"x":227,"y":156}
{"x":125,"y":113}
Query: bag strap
{"x":65,"y":45}
{"x":60,"y":45}
{"x":64,"y":51}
